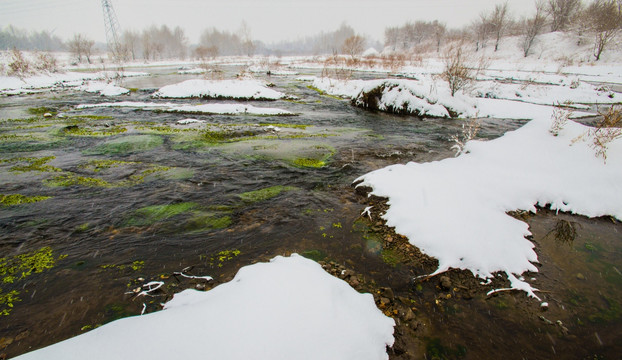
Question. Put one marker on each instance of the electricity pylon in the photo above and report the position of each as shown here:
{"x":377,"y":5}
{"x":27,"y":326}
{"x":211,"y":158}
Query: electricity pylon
{"x":112,"y":29}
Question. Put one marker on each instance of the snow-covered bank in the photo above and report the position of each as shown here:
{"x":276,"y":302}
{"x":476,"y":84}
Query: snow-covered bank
{"x":289,"y":308}
{"x":430,"y":97}
{"x":220,"y":89}
{"x":455,"y":210}
{"x":12,"y":85}
{"x":208,"y":109}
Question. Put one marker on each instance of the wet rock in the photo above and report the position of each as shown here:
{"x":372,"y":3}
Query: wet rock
{"x":5,"y":341}
{"x":21,"y":336}
{"x":200,"y":287}
{"x":408,"y":315}
{"x":580,"y":276}
{"x":354,"y":281}
{"x":385,"y":301}
{"x":445,"y":282}
{"x":388,"y":293}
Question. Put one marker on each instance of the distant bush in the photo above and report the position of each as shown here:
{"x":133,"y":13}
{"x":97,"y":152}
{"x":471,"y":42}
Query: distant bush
{"x":46,"y":62}
{"x":18,"y":66}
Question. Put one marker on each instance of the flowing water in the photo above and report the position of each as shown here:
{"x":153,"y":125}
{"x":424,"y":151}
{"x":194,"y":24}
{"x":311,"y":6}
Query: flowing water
{"x":130,"y":206}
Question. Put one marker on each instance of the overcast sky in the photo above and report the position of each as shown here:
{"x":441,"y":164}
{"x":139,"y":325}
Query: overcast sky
{"x":269,"y":20}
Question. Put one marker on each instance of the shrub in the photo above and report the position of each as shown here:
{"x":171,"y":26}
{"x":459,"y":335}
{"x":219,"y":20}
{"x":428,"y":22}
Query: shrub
{"x":457,"y":74}
{"x":18,"y":66}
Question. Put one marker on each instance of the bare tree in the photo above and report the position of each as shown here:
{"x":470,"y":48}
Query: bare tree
{"x":533,"y":26}
{"x":439,"y":32}
{"x":353,"y":46}
{"x":604,"y":18}
{"x":499,"y":20}
{"x":130,"y":42}
{"x":562,"y":12}
{"x":246,"y":39}
{"x":481,"y":31}
{"x":81,"y":46}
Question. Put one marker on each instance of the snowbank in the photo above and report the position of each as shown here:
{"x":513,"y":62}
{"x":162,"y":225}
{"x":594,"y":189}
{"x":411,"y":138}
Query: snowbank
{"x":220,"y":89}
{"x":210,"y":109}
{"x":14,"y":85}
{"x":455,"y":210}
{"x":103,"y":88}
{"x":289,"y":308}
{"x":430,"y":97}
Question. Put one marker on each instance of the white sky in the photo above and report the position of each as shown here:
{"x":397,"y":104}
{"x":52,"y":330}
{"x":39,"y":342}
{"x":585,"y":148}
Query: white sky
{"x":269,"y":20}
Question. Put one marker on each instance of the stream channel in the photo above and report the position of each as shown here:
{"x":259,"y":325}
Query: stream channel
{"x":134,"y":197}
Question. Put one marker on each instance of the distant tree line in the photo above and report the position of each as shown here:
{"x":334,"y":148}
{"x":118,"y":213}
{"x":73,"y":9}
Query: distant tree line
{"x":11,"y":37}
{"x":598,"y":21}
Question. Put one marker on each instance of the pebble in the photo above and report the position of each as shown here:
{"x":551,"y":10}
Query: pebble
{"x":445,"y":282}
{"x":200,"y":287}
{"x":580,"y":276}
{"x":544,"y":306}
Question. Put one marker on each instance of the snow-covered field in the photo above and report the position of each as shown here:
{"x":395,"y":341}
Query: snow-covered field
{"x":289,"y":308}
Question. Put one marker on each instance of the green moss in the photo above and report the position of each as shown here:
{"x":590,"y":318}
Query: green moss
{"x":222,"y":257}
{"x":18,"y":199}
{"x":99,"y":165}
{"x":264,"y":194}
{"x":73,"y":180}
{"x":31,"y":164}
{"x":308,"y":162}
{"x":208,"y":221}
{"x":82,"y":228}
{"x":315,"y":255}
{"x":127,"y":145}
{"x":323,"y":93}
{"x":40,"y":111}
{"x":15,"y":269}
{"x":75,"y":130}
{"x":152,"y":214}
{"x":435,"y":350}
{"x":391,"y":257}
{"x":15,"y":138}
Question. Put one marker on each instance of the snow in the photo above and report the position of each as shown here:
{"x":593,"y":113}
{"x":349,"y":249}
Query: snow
{"x":455,"y":210}
{"x":289,"y":308}
{"x":103,"y":88}
{"x":14,"y":85}
{"x":217,"y":89}
{"x":215,"y":109}
{"x":430,"y":97}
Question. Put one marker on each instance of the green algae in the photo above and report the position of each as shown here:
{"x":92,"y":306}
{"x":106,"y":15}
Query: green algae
{"x":202,"y":221}
{"x":72,"y":179}
{"x":150,"y":215}
{"x":40,"y":111}
{"x":127,"y":145}
{"x":15,"y":269}
{"x":75,"y":130}
{"x":31,"y":164}
{"x":264,"y":194}
{"x":307,"y":162}
{"x":18,"y":199}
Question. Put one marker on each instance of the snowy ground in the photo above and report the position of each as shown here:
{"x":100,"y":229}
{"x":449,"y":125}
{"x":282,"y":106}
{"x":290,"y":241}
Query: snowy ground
{"x":289,"y":308}
{"x":473,"y":192}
